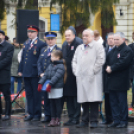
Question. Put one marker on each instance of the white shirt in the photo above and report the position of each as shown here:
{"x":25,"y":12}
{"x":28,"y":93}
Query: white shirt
{"x":51,"y":48}
{"x":33,"y":40}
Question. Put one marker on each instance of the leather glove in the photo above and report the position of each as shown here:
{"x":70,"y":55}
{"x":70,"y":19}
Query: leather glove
{"x":48,"y":89}
{"x":39,"y":87}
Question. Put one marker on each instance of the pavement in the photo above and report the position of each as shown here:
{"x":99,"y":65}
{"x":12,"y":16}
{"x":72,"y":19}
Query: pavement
{"x":17,"y":126}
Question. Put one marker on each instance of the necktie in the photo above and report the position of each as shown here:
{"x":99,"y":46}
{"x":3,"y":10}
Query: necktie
{"x":109,"y":49}
{"x":85,"y":46}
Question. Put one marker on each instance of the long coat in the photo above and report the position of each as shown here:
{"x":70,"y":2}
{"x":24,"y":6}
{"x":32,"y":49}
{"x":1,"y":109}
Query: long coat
{"x":15,"y":62}
{"x":70,"y":88}
{"x":6,"y":54}
{"x":87,"y":67}
{"x":119,"y":59}
{"x":104,"y":73}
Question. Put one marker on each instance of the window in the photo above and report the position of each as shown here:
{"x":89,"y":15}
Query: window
{"x":42,"y":29}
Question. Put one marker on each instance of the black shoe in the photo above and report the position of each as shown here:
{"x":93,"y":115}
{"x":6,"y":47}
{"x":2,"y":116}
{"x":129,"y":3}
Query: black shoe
{"x":113,"y":125}
{"x":82,"y":125}
{"x":35,"y":119}
{"x":107,"y":122}
{"x":7,"y":117}
{"x":67,"y":123}
{"x":46,"y":119}
{"x":28,"y":118}
{"x":123,"y":125}
{"x":71,"y":123}
{"x":93,"y":125}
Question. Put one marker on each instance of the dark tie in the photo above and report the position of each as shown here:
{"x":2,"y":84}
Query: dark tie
{"x":85,"y":46}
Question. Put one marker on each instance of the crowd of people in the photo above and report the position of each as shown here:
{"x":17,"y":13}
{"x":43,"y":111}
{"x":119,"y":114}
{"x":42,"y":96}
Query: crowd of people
{"x":78,"y":74}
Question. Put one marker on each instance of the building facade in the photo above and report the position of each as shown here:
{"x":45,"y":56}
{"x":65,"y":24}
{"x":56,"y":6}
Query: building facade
{"x":124,"y":13}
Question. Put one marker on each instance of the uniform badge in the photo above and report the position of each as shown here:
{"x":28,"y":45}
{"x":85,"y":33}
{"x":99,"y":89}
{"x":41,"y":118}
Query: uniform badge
{"x":35,"y":52}
{"x":49,"y":54}
{"x":118,"y":56}
{"x":35,"y":42}
{"x":72,"y":47}
{"x":49,"y":32}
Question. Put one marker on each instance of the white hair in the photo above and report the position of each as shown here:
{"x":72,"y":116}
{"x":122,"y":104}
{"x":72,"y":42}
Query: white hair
{"x":89,"y":30}
{"x":121,"y":34}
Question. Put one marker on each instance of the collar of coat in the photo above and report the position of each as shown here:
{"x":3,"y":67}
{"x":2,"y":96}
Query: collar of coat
{"x":121,"y":46}
{"x":90,"y":45}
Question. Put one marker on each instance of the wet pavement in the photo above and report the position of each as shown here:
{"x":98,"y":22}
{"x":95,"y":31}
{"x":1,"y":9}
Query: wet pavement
{"x":17,"y":126}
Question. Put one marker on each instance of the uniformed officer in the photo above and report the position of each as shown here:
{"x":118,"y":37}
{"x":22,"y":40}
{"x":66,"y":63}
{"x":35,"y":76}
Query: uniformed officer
{"x":28,"y":69}
{"x":43,"y":62}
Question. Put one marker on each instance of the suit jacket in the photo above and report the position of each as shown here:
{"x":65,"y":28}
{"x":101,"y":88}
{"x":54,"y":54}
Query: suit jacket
{"x":105,"y":89}
{"x":119,"y":59}
{"x":30,"y":55}
{"x":6,"y":54}
{"x":70,"y":88}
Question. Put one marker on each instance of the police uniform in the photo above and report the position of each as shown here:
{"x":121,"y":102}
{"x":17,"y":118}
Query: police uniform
{"x":28,"y":68}
{"x":43,"y":63}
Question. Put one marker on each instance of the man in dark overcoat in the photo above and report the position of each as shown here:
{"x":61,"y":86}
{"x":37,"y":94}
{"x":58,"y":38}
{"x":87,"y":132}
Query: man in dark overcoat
{"x":118,"y":66}
{"x":28,"y":69}
{"x":6,"y":54}
{"x":108,"y":112}
{"x":70,"y":88}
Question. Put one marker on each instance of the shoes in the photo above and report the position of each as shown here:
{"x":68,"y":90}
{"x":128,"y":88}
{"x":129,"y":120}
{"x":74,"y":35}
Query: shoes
{"x":28,"y":118}
{"x":52,"y":123}
{"x":7,"y":117}
{"x":82,"y":125}
{"x":71,"y":123}
{"x":46,"y":119}
{"x":93,"y":125}
{"x":123,"y":125}
{"x":57,"y":122}
{"x":107,"y":122}
{"x":35,"y":119}
{"x":113,"y":125}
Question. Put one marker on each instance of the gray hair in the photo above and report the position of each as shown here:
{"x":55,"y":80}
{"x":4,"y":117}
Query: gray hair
{"x":90,"y":31}
{"x":109,"y":34}
{"x":121,"y":34}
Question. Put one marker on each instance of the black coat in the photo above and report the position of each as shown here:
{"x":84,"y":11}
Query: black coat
{"x":132,"y":64}
{"x":54,"y":73}
{"x":6,"y":54}
{"x":105,"y":89}
{"x":70,"y":88}
{"x":119,"y":59}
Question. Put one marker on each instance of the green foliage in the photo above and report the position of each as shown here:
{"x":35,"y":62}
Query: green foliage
{"x":75,"y":10}
{"x":2,"y":9}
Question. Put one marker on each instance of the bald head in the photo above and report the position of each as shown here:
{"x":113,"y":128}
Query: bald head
{"x":87,"y":36}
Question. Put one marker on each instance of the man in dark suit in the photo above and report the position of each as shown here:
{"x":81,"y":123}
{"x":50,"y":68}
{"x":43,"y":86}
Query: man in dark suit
{"x":28,"y":69}
{"x":43,"y":62}
{"x":118,"y":66}
{"x":108,"y":112}
{"x":6,"y":54}
{"x":70,"y":88}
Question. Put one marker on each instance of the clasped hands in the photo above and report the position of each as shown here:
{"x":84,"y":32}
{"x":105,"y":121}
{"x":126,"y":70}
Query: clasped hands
{"x":108,"y":69}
